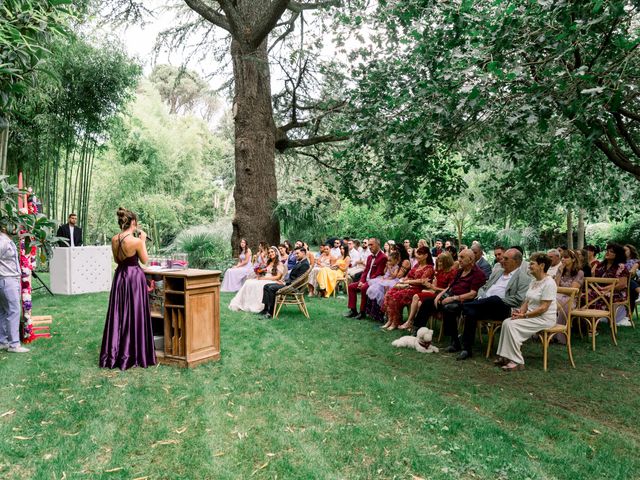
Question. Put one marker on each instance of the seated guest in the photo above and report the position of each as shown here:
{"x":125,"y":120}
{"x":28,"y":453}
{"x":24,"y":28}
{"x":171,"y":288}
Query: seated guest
{"x":327,"y":277}
{"x":592,"y":251}
{"x":613,"y":266}
{"x":249,"y":297}
{"x":270,"y":290}
{"x":554,"y":255}
{"x":284,"y":252}
{"x":235,"y":276}
{"x":437,"y":249}
{"x":445,"y":273}
{"x":504,"y":290}
{"x":377,"y":290}
{"x":569,"y":275}
{"x":260,"y":261}
{"x":536,"y":313}
{"x":376,"y":264}
{"x":354,"y":255}
{"x":448,"y":244}
{"x":422,"y":243}
{"x":291,"y":262}
{"x":378,"y":286}
{"x":407,"y":246}
{"x":310,"y":256}
{"x":482,"y":263}
{"x":324,"y":260}
{"x":401,"y":294}
{"x":464,"y":288}
{"x":583,"y":261}
{"x":335,"y":249}
{"x":632,"y":265}
{"x":498,"y":251}
{"x":453,"y":251}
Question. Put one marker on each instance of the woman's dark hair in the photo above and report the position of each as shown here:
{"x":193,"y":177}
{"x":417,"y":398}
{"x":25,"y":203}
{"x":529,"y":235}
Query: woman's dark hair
{"x":453,"y":251}
{"x":125,"y":217}
{"x":246,"y":246}
{"x":344,"y":250}
{"x":542,"y":258}
{"x":275,"y":261}
{"x":427,"y":252}
{"x":286,"y":248}
{"x":618,"y":250}
{"x":633,"y":253}
{"x":593,"y":248}
{"x":289,"y":246}
{"x":575,"y":263}
{"x":402,"y":251}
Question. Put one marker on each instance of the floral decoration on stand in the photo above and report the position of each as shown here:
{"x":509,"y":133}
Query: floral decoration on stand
{"x":27,"y":265}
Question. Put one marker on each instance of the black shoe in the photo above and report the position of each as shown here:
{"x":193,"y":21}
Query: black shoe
{"x":262,"y":312}
{"x":361,"y":316}
{"x":350,"y":314}
{"x":452,"y":349}
{"x":267,"y":315}
{"x":464,"y":355}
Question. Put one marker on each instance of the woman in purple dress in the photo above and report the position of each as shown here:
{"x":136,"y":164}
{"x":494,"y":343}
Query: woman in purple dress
{"x":235,"y":276}
{"x":127,"y":340}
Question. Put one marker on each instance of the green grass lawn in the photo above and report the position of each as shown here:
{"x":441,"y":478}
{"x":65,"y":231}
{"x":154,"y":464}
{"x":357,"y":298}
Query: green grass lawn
{"x":326,"y":398}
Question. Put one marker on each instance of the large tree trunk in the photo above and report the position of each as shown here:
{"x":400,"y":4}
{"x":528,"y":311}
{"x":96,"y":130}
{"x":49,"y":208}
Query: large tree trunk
{"x":256,"y":189}
{"x":581,"y":214}
{"x":569,"y":229}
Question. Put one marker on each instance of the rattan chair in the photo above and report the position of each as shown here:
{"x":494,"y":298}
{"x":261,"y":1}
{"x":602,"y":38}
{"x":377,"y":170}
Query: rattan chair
{"x":602,"y":289}
{"x":342,"y":281}
{"x":547,"y":334}
{"x":293,"y":295}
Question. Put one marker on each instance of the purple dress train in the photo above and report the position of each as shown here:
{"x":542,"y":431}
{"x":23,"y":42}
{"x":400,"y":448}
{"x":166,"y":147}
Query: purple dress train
{"x":127,"y":340}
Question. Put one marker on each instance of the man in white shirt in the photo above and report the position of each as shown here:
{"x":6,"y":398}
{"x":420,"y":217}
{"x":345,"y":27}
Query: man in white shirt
{"x":505,"y":289}
{"x":354,"y":255}
{"x":9,"y":296}
{"x":554,"y":255}
{"x":335,"y":250}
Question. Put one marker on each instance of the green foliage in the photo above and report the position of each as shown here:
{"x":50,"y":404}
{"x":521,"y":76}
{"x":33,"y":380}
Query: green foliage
{"x":28,"y":31}
{"x":171,"y":169}
{"x":206,"y":246}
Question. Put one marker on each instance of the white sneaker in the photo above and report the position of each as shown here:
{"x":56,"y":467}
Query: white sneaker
{"x":18,"y":349}
{"x":624,"y":322}
{"x":4,"y":346}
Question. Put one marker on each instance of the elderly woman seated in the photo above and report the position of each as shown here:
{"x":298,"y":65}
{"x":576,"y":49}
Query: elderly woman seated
{"x":464,"y":287}
{"x":536,"y":313}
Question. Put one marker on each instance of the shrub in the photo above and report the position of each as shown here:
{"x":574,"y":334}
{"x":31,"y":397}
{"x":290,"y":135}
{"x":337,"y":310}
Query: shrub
{"x":206,"y":246}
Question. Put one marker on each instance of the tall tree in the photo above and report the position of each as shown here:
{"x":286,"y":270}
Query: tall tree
{"x":249,"y":24}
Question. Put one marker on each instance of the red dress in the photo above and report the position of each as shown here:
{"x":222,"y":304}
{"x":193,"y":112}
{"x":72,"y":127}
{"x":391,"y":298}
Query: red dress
{"x":396,"y":298}
{"x":443,"y":280}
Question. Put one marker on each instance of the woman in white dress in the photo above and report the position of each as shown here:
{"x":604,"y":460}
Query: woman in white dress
{"x":235,"y":276}
{"x":537,"y":313}
{"x":249,"y":298}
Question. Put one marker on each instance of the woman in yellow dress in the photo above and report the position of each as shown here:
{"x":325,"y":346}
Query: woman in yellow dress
{"x":328,"y":276}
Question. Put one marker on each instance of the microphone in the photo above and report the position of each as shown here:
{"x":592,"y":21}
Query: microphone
{"x":148,"y":236}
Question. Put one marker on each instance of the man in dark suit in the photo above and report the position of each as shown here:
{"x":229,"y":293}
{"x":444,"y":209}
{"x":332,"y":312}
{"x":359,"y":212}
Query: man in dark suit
{"x":270,"y":290}
{"x":376,"y":263}
{"x":437,"y":250}
{"x":71,"y":232}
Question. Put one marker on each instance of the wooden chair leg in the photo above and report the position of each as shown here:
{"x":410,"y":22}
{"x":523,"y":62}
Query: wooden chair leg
{"x":593,"y":326}
{"x":279,"y":303}
{"x":490,"y":334}
{"x":613,"y":327}
{"x":441,"y":330}
{"x":569,"y":347}
{"x":546,"y":339}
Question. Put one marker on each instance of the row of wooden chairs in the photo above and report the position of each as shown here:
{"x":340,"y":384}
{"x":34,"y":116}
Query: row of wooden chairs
{"x":602,"y":290}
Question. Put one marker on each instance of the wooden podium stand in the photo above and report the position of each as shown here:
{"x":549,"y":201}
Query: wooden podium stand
{"x":191,"y":316}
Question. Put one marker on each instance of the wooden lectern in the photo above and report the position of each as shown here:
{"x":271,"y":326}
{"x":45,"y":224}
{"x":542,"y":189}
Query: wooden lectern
{"x":191,"y":316}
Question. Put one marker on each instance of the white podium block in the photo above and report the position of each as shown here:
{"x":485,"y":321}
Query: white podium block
{"x":77,"y":270}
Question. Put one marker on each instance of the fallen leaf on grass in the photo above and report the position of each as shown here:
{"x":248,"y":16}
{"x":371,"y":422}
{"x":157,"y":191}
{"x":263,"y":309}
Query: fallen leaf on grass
{"x":264,"y":465}
{"x":180,"y":431}
{"x":597,"y":432}
{"x":219,"y":454}
{"x":6,"y":414}
{"x":415,"y":477}
{"x":230,"y":415}
{"x":165,"y":442}
{"x":70,"y":434}
{"x":18,"y":437}
{"x":48,"y":456}
{"x":271,"y":454}
{"x":117,"y":469}
{"x":141,"y":478}
{"x":120,"y":385}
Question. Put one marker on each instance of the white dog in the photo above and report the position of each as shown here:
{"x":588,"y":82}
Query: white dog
{"x":421,"y":342}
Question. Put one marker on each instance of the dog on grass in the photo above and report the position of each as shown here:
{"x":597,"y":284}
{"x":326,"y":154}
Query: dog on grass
{"x":421,"y":342}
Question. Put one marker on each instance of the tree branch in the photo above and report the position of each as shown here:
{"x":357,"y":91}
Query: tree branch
{"x":235,"y":22}
{"x":316,"y":158}
{"x":624,"y":133}
{"x":283,"y":144}
{"x":300,"y":6}
{"x":204,"y":9}
{"x":268,"y":23}
{"x":628,"y":114}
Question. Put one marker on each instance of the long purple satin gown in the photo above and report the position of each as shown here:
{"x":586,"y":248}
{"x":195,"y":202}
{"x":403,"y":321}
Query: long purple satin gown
{"x":127,"y":340}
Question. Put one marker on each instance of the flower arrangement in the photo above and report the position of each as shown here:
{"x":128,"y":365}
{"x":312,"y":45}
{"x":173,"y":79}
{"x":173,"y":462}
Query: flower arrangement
{"x":27,"y":265}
